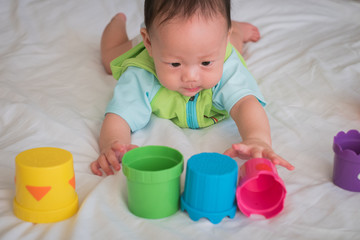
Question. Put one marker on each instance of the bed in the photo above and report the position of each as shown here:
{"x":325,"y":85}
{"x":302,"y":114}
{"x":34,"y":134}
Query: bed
{"x":54,"y":91}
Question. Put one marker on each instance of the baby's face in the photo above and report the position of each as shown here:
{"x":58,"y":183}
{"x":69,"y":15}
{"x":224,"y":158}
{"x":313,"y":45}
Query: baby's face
{"x":189,"y":54}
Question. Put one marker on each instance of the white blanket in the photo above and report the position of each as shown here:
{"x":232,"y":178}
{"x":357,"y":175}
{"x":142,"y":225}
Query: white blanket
{"x":53,"y":92}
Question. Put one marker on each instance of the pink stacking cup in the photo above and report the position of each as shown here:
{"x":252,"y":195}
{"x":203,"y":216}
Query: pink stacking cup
{"x":260,"y":190}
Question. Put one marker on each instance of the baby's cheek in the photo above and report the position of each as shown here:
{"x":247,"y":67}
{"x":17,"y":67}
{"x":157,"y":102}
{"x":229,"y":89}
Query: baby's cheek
{"x":212,"y":79}
{"x":168,"y":81}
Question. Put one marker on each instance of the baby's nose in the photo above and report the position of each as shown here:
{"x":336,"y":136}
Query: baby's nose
{"x":190,"y":74}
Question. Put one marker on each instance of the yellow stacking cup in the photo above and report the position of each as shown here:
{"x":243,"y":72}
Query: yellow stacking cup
{"x":45,"y":185}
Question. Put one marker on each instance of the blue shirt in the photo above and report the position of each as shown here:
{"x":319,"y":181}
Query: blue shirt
{"x":137,"y":87}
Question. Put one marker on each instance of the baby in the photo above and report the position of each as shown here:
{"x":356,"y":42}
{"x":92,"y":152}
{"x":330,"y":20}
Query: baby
{"x":185,"y":70}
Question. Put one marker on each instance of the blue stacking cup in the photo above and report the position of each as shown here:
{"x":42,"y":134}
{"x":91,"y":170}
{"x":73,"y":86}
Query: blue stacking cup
{"x":210,"y":187}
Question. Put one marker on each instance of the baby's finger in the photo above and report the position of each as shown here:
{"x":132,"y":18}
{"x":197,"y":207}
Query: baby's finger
{"x":242,"y":150}
{"x":277,"y":160}
{"x":271,"y":155}
{"x":286,"y":164}
{"x":256,"y":153}
{"x":131,"y":147}
{"x":104,"y":164}
{"x":231,"y":153}
{"x":113,"y":160}
{"x":95,"y":168}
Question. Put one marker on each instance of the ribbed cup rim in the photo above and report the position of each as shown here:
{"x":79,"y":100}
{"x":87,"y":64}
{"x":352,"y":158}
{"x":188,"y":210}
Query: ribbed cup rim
{"x":154,"y":176}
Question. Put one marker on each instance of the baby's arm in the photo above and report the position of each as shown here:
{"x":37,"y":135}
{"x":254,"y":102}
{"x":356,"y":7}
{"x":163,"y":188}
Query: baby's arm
{"x":114,"y":142}
{"x":254,"y":128}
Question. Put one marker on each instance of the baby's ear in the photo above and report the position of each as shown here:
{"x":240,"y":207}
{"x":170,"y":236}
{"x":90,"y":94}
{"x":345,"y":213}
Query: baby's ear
{"x":146,"y":40}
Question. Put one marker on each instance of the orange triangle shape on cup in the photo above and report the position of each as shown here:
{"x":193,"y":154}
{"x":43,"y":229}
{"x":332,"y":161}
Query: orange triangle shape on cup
{"x":38,"y":192}
{"x":72,"y":182}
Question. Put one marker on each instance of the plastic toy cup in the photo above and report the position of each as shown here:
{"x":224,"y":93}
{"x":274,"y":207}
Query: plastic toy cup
{"x":260,"y":190}
{"x":210,"y":187}
{"x":346,"y":172}
{"x":153,"y":180}
{"x":45,"y":185}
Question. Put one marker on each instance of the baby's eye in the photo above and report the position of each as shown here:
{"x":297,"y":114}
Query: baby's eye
{"x":206,"y":63}
{"x":175,"y":64}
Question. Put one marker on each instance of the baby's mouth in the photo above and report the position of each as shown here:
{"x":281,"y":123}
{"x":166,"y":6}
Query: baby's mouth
{"x":195,"y":89}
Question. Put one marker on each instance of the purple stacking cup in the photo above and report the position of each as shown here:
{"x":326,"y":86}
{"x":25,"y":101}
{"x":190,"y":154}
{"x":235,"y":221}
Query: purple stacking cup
{"x":347,"y":160}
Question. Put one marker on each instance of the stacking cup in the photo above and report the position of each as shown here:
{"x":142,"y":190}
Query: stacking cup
{"x":153,"y":180}
{"x":45,"y":185}
{"x":260,"y":190}
{"x":346,"y":173}
{"x":210,"y":187}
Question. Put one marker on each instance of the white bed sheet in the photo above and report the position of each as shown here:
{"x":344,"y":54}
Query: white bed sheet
{"x":53,"y":92}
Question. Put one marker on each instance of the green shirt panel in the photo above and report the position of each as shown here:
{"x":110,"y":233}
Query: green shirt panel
{"x":169,"y":104}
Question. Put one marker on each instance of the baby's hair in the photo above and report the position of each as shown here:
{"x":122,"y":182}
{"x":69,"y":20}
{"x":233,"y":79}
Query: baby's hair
{"x":166,"y":10}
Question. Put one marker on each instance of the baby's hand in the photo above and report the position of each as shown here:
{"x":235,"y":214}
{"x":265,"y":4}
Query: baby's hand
{"x":110,"y":158}
{"x":256,"y":149}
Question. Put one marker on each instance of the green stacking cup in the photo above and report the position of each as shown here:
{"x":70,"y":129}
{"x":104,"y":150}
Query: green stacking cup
{"x":153,"y":180}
